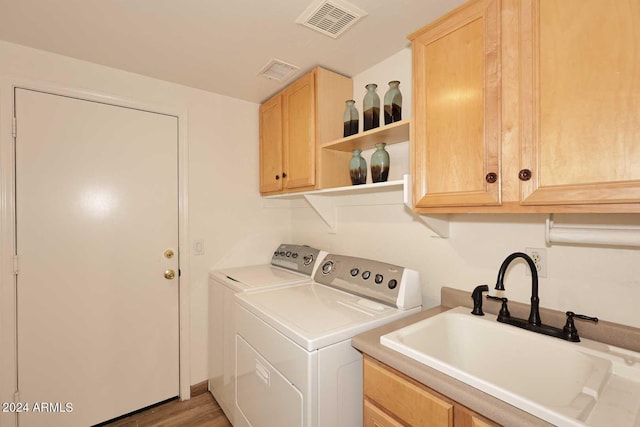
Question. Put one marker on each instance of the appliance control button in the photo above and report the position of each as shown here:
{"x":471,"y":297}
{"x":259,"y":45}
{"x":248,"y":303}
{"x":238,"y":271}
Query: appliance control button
{"x":294,"y":255}
{"x":281,"y":253}
{"x":355,"y":271}
{"x":379,"y":278}
{"x":308,"y":259}
{"x":288,"y":254}
{"x":327,"y":267}
{"x":366,"y":274}
{"x":393,"y":283}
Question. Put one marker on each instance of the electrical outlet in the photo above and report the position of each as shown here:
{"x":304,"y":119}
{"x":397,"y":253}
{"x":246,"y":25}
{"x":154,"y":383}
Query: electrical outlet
{"x":539,"y":257}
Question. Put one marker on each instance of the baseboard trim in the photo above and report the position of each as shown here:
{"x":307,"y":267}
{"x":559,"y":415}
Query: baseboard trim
{"x":199,"y":388}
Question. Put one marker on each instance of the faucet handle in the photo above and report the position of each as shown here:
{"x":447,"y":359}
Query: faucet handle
{"x":570,"y":328}
{"x":504,"y":310}
{"x":477,"y":299}
{"x":583,"y":317}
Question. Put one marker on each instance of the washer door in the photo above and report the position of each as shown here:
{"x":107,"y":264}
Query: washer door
{"x":264,"y":397}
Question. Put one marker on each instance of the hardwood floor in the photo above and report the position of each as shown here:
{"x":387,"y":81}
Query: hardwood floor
{"x":200,"y":411}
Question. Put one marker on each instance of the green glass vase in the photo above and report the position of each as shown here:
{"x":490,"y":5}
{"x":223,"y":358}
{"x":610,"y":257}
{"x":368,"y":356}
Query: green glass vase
{"x":371,"y":108}
{"x":380,"y":164}
{"x":393,"y":103}
{"x":358,"y":168}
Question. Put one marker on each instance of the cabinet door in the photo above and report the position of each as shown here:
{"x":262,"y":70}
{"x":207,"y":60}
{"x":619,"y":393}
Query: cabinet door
{"x":581,"y":101}
{"x":271,"y":145}
{"x":376,"y":417}
{"x":407,"y":400}
{"x":456,"y":90}
{"x":299,"y":137}
{"x":465,"y":417}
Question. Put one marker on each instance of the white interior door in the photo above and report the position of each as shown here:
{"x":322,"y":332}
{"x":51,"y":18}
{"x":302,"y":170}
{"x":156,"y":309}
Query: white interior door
{"x":96,"y":208}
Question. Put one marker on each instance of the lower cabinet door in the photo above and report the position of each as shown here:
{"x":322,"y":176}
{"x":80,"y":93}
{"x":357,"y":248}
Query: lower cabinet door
{"x":408,"y":400}
{"x":376,"y":417}
{"x":465,"y":417}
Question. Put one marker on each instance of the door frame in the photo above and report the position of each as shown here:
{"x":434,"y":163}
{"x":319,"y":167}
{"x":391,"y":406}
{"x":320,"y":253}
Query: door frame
{"x":8,"y":308}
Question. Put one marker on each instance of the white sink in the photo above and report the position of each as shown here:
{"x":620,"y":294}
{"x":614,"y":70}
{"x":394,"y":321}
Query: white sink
{"x":564,"y":383}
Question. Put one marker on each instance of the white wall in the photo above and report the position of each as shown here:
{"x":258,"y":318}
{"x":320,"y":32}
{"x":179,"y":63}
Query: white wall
{"x":225,"y":208}
{"x":603,"y":282}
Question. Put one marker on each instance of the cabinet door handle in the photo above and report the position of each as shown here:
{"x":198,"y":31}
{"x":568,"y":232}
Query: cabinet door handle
{"x":284,"y":175}
{"x":491,"y":177}
{"x":524,"y":175}
{"x":277,"y":177}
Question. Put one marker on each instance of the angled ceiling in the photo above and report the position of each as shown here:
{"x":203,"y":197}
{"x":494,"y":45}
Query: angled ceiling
{"x":218,"y":46}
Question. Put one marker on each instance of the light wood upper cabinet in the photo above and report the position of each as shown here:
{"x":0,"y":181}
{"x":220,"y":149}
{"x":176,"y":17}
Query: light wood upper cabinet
{"x":581,"y":92}
{"x":543,"y":94}
{"x":293,"y":125}
{"x":299,"y":133}
{"x":271,"y":145}
{"x":456,"y":92}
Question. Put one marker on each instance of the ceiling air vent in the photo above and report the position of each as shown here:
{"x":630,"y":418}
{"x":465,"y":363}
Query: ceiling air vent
{"x":330,"y":17}
{"x":278,"y":70}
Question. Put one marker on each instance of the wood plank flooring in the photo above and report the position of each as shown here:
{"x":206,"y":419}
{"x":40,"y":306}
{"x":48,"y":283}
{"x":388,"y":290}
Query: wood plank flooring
{"x":200,"y":411}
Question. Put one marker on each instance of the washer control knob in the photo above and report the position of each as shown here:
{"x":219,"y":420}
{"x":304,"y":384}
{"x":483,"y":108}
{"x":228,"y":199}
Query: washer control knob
{"x":327,"y":267}
{"x":366,"y":274}
{"x":355,"y":271}
{"x":393,"y":283}
{"x":308,"y":259}
{"x":288,"y":254}
{"x":379,"y":278}
{"x":281,"y":253}
{"x":294,"y":255}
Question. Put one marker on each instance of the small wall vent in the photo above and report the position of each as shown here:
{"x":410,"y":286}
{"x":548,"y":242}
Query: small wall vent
{"x":278,"y":70}
{"x":331,"y":17}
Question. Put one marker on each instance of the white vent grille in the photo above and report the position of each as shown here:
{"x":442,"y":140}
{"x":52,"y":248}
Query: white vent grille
{"x":330,"y":17}
{"x":278,"y":70}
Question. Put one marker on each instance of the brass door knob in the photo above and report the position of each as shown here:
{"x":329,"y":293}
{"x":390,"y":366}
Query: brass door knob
{"x":169,"y":274}
{"x":168,"y":254}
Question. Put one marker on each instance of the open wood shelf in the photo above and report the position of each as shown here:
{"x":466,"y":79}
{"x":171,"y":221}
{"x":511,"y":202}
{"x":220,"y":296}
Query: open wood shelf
{"x":390,"y":134}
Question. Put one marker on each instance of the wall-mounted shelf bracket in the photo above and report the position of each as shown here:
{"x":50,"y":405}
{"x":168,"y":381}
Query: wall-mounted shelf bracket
{"x":326,"y":202}
{"x":438,"y":223}
{"x":326,"y":209}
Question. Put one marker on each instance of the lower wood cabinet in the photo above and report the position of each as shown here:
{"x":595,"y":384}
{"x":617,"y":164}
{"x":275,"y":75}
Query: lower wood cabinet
{"x":391,"y":399}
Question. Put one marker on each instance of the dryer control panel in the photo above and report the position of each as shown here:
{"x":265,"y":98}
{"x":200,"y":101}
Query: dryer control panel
{"x":299,"y":258}
{"x":380,"y":281}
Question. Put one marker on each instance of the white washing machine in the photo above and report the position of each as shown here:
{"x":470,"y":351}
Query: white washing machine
{"x":295,"y":365}
{"x":290,"y":264}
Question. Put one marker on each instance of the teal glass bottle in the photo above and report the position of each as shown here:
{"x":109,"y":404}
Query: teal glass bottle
{"x":380,"y":164}
{"x":358,"y":168}
{"x":393,"y":103}
{"x":351,"y":120}
{"x":371,"y":108}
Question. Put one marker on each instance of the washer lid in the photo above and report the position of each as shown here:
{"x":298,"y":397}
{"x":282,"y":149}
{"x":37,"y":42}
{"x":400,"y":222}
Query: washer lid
{"x":258,"y":277}
{"x":315,"y":316}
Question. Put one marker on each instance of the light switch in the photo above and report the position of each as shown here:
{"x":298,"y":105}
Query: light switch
{"x":198,"y":247}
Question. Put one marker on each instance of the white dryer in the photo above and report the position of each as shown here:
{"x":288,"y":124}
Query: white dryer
{"x":290,"y":264}
{"x":295,"y":366}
